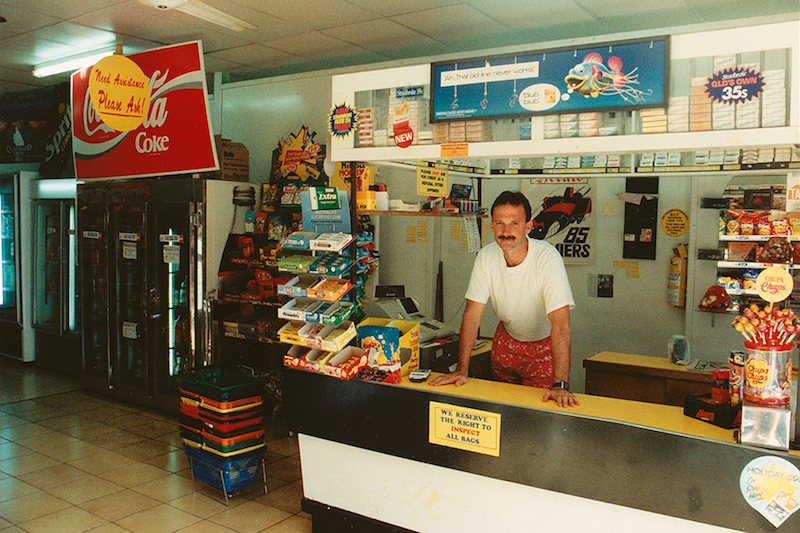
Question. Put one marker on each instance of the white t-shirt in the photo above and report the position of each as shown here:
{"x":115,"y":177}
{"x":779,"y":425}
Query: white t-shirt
{"x":521,"y":296}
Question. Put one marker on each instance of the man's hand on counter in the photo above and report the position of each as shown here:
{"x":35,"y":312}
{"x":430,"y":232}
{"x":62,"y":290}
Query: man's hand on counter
{"x":562,"y":397}
{"x":459,"y":377}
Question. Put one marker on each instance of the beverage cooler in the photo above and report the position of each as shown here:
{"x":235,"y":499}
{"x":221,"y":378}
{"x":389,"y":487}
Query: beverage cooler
{"x":10,"y":271}
{"x":55,"y":312}
{"x":149,"y":254}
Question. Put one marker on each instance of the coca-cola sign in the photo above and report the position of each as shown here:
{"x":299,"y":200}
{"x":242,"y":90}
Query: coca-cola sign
{"x":175,"y":136}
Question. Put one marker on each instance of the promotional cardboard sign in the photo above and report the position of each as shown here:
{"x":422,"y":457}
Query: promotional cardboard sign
{"x":174,"y":136}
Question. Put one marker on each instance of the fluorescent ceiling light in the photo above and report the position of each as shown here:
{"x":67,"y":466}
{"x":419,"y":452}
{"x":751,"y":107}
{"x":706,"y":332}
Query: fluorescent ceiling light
{"x":72,"y":63}
{"x":56,"y":188}
{"x":198,"y":9}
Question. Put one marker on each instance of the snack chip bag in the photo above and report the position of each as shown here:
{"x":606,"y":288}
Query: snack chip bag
{"x":781,"y":226}
{"x":747,"y":225}
{"x":763,"y":226}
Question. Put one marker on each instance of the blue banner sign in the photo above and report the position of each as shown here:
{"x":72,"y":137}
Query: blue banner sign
{"x":602,"y":77}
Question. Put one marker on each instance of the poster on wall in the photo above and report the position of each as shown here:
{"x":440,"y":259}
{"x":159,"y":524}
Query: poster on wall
{"x":563,"y":216}
{"x":624,"y":75}
{"x":175,"y":136}
{"x":58,"y":145}
{"x":641,"y":222}
{"x":24,"y":123}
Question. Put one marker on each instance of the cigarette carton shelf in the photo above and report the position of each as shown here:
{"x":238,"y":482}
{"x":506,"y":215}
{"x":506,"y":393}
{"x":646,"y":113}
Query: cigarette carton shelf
{"x":417,"y":214}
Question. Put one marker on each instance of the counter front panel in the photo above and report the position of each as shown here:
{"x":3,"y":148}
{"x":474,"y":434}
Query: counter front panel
{"x":570,"y":451}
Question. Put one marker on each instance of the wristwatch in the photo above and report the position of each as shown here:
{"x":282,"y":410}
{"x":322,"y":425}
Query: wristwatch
{"x":560,"y":385}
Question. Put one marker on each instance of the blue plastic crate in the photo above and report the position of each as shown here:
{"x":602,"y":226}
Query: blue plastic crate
{"x":226,"y":475}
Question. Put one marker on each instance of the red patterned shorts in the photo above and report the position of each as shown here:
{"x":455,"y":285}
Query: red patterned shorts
{"x":526,"y":363}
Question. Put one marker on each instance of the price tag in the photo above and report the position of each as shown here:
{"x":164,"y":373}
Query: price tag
{"x":129,"y":250}
{"x":172,"y":254}
{"x":454,"y":150}
{"x":129,"y":330}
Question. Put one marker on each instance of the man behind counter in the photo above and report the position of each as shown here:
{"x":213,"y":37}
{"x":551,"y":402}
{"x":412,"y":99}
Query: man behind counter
{"x":527,"y":283}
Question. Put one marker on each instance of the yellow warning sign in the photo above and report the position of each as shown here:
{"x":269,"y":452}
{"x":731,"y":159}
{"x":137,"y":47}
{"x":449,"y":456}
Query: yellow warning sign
{"x":465,"y":429}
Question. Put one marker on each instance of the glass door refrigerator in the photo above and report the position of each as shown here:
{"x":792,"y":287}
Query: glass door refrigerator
{"x":149,"y":251}
{"x":55,"y":313}
{"x":10,"y":294}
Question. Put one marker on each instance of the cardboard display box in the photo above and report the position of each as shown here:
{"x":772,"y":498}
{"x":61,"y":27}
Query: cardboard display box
{"x":234,"y":160}
{"x":344,"y":364}
{"x":409,"y":340}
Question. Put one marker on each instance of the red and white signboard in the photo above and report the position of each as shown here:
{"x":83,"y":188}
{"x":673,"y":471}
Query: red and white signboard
{"x":176,"y":135}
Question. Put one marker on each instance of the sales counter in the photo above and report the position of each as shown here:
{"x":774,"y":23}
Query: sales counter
{"x":373,"y":459}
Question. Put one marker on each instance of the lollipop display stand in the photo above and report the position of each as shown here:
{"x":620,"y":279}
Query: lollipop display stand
{"x":766,"y":392}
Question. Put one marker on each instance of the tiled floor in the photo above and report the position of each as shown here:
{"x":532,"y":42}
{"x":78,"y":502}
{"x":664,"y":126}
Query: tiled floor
{"x":72,"y":460}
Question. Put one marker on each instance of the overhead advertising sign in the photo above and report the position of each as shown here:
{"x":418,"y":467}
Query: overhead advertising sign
{"x":145,"y":116}
{"x":630,"y":74}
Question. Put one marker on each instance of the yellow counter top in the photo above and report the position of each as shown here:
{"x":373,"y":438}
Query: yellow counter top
{"x":662,"y":417}
{"x":646,"y":361}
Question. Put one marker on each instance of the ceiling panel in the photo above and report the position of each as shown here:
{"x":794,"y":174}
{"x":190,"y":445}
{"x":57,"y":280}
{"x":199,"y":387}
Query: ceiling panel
{"x":24,"y":17}
{"x":302,"y":35}
{"x":76,"y":35}
{"x":389,"y":8}
{"x":65,"y":9}
{"x":252,"y":54}
{"x":311,"y":14}
{"x":715,"y":10}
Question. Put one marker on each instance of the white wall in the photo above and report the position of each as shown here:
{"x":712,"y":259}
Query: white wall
{"x":636,"y":320}
{"x":260,"y":113}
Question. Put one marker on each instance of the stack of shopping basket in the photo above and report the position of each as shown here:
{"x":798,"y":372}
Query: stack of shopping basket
{"x":222,"y":428}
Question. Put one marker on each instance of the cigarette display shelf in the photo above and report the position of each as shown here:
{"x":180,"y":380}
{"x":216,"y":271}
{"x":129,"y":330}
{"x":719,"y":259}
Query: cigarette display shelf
{"x":418,"y":214}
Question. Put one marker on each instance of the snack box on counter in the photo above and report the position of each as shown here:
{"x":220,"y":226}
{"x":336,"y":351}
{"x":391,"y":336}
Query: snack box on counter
{"x":330,"y":242}
{"x":304,"y":309}
{"x":329,"y":289}
{"x":297,"y":263}
{"x":332,"y":265}
{"x":343,"y":364}
{"x":252,"y":325}
{"x":321,"y":311}
{"x":297,"y":286}
{"x":702,"y":407}
{"x":314,"y":335}
{"x":337,"y":313}
{"x":299,"y":240}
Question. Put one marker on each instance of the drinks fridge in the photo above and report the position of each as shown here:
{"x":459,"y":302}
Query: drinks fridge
{"x":55,"y":312}
{"x":149,"y":254}
{"x":10,"y":283}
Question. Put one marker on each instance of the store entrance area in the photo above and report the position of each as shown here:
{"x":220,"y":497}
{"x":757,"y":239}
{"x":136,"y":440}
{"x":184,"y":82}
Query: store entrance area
{"x":73,"y":460}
